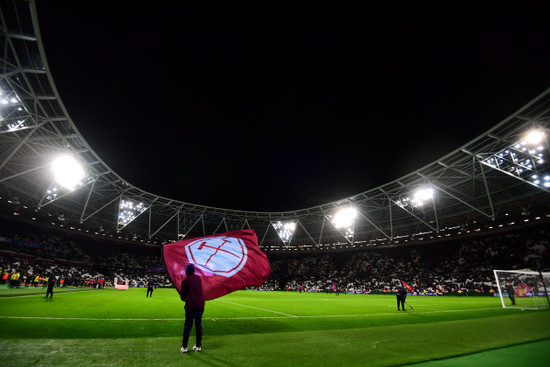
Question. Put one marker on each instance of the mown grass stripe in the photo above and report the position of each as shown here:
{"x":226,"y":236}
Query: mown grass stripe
{"x":284,"y":316}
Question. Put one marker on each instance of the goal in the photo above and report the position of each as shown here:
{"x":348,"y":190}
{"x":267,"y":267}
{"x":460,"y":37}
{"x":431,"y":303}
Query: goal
{"x":525,"y":289}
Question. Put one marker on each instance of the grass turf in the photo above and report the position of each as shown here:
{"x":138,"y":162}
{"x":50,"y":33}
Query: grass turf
{"x":124,"y":328}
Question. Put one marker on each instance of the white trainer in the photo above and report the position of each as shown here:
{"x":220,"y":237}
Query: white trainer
{"x":183,"y":350}
{"x":196,"y":349}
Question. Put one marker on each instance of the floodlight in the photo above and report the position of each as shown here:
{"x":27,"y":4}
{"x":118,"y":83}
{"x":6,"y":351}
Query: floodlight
{"x":534,"y":137}
{"x":345,"y":217}
{"x":129,"y":210}
{"x":525,"y":159}
{"x":417,"y":199}
{"x":7,"y":100}
{"x":68,"y":172}
{"x":422,"y":195}
{"x":13,"y":115}
{"x":285,"y":230}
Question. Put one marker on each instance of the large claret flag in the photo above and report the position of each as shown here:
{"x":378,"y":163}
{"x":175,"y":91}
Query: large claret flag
{"x":226,"y":262}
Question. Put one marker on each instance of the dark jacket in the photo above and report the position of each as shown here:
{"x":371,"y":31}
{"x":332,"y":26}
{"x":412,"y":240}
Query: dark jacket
{"x":509,"y":289}
{"x":401,"y":293}
{"x":191,"y":291}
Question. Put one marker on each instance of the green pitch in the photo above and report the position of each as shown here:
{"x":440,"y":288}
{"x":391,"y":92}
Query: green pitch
{"x":248,"y":328}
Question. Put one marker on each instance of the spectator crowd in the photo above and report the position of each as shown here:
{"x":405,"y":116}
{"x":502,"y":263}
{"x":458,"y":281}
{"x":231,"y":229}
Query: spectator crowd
{"x":28,"y":257}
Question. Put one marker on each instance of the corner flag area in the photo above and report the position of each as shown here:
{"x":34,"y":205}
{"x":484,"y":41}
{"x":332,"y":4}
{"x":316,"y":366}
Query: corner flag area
{"x":124,"y":328}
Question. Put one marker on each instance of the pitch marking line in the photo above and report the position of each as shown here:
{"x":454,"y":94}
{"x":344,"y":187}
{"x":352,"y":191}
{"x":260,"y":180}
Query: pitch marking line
{"x":257,"y":308}
{"x":285,"y":316}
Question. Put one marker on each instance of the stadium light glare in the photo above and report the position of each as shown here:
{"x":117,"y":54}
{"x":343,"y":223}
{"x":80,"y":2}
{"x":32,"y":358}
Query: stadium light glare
{"x":534,"y":137}
{"x":421,"y":196}
{"x":68,"y":172}
{"x":344,"y":220}
{"x":417,"y":199}
{"x":344,"y":217}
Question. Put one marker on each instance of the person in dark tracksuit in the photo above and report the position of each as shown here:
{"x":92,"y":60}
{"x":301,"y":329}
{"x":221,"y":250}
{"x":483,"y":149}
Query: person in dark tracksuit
{"x":191,"y":293}
{"x":401,"y":296}
{"x":51,"y":283}
{"x":510,"y":291}
{"x":150,"y":287}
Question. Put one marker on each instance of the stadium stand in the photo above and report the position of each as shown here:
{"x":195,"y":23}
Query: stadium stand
{"x":445,"y":265}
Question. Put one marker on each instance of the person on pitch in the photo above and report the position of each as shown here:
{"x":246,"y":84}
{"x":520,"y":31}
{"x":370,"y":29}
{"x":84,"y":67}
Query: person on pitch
{"x":401,"y":296}
{"x":51,"y":284}
{"x":150,"y":287}
{"x":191,"y":294}
{"x":510,"y":291}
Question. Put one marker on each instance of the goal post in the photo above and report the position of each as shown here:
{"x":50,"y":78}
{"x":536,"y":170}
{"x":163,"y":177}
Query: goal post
{"x":526,"y":289}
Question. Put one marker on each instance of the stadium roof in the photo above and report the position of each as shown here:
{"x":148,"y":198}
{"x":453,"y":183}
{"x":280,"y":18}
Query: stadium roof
{"x":503,"y":171}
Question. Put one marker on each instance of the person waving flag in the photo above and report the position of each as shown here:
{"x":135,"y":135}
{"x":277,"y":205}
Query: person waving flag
{"x":226,"y":262}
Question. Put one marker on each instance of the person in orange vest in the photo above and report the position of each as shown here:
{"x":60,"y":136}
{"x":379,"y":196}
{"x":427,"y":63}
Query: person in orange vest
{"x":5,"y":277}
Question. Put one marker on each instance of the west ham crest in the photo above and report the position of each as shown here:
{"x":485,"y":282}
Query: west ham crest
{"x":222,"y":255}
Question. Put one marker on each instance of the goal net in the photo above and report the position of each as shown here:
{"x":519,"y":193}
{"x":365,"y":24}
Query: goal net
{"x":524,"y":289}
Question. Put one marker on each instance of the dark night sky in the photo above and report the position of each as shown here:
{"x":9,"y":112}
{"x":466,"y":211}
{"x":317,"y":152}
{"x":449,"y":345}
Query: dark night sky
{"x":281,"y":108}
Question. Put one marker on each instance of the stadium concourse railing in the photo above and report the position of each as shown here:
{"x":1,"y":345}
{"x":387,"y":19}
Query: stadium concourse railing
{"x":487,"y":178}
